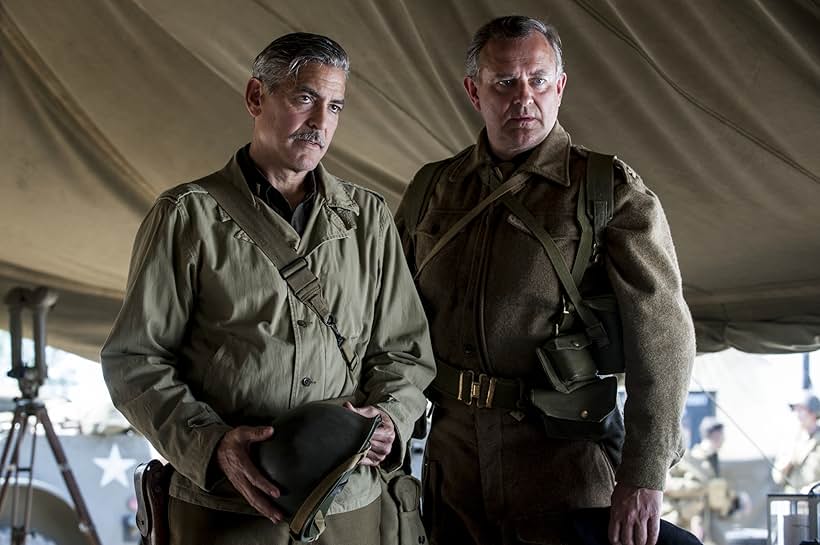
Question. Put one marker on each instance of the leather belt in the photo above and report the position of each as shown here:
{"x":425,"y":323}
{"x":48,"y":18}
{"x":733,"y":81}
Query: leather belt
{"x":479,"y":389}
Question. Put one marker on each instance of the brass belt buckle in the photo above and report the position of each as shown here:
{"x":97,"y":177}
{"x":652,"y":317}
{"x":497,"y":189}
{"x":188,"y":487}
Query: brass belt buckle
{"x":477,"y":388}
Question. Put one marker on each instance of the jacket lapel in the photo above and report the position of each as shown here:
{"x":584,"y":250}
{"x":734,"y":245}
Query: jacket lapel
{"x":333,"y":215}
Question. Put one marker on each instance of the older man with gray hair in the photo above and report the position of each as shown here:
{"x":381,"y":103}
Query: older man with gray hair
{"x":216,"y":338}
{"x":544,"y":269}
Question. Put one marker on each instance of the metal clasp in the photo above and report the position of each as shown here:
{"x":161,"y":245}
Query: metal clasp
{"x":481,"y":391}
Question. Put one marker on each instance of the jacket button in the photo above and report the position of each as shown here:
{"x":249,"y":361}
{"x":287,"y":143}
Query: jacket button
{"x":469,"y":349}
{"x":307,"y":381}
{"x":301,"y":323}
{"x":584,"y":413}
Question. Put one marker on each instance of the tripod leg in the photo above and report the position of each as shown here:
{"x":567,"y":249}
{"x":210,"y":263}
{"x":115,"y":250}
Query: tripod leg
{"x":86,"y":525}
{"x":19,"y":532}
{"x":18,"y":528}
{"x":6,"y":470}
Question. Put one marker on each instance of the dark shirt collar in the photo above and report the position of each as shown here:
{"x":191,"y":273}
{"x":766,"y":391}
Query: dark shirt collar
{"x":262,"y":188}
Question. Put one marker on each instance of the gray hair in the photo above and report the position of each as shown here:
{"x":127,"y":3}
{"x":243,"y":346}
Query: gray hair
{"x":283,"y":58}
{"x":512,"y":27}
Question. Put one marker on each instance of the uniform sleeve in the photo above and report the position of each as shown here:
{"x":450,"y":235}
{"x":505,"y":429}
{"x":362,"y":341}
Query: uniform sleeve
{"x":398,"y":364}
{"x":658,"y":335}
{"x":140,"y":358}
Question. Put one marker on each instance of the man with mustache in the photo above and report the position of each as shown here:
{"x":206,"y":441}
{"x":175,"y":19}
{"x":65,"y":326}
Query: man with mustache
{"x":525,"y":427}
{"x":214,"y":341}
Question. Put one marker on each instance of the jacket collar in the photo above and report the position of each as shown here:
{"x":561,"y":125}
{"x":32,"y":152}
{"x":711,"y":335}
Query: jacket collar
{"x":549,"y":159}
{"x":328,"y":186}
{"x":334,"y":192}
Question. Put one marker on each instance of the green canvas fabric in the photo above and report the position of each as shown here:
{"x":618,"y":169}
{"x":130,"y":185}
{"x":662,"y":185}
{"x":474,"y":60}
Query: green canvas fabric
{"x":105,"y":105}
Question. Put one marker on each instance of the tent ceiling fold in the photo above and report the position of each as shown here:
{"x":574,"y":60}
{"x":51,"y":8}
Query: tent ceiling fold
{"x":103,"y":105}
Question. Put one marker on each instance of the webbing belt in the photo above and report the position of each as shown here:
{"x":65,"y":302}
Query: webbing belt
{"x":476,"y":388}
{"x":293,"y":267}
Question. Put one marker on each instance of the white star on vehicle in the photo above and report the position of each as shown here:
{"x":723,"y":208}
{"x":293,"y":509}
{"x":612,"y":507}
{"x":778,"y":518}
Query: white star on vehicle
{"x":114,"y":467}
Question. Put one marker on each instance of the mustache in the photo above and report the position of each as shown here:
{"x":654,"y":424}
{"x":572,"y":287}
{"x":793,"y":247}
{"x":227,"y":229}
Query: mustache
{"x":309,"y":135}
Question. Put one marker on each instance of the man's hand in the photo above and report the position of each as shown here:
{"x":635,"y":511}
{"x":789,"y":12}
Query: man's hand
{"x":233,"y":456}
{"x":382,"y":441}
{"x":635,"y":518}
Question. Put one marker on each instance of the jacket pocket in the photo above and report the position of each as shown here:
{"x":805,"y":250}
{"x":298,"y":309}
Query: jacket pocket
{"x":432,"y":228}
{"x":559,"y":226}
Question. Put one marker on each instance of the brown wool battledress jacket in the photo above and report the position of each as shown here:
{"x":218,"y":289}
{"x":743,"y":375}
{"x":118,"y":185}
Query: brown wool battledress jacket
{"x":490,"y":295}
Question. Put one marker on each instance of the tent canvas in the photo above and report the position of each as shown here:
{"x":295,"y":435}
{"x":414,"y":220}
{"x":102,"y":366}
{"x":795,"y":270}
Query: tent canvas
{"x":104,"y":104}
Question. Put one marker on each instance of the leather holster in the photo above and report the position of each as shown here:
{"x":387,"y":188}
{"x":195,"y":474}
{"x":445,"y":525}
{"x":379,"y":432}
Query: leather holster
{"x":151,"y":482}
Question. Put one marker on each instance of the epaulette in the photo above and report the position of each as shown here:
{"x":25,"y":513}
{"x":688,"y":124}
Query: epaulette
{"x":177,"y":193}
{"x":350,"y":186}
{"x":629,"y":175}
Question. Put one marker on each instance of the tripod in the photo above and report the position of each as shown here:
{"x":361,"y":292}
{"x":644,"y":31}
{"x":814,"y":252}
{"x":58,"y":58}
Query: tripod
{"x":30,"y":378}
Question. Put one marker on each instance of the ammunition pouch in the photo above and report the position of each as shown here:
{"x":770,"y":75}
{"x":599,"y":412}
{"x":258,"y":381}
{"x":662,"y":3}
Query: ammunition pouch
{"x":581,"y":404}
{"x":151,"y":482}
{"x":401,"y":509}
{"x":589,"y":413}
{"x":567,"y":362}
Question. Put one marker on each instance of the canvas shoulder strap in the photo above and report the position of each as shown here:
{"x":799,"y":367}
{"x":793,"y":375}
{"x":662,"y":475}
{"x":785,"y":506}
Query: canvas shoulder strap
{"x":600,"y":196}
{"x":293,"y":268}
{"x":510,"y":185}
{"x":595,"y":201}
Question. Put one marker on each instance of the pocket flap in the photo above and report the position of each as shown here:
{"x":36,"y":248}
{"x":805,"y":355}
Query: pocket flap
{"x":576,"y":341}
{"x":590,"y":403}
{"x":406,"y":490}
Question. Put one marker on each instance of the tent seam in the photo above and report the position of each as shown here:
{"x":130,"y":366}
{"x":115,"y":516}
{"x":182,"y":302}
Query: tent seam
{"x":691,"y":98}
{"x":64,"y":101}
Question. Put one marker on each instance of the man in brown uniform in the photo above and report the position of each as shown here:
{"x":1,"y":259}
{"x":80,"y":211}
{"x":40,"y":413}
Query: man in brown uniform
{"x":498,"y":470}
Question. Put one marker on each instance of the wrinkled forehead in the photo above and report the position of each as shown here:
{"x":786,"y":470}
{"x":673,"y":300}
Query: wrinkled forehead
{"x":322,"y":79}
{"x":530,"y":54}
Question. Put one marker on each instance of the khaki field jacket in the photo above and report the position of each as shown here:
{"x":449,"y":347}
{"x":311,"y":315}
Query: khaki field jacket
{"x":210,"y":337}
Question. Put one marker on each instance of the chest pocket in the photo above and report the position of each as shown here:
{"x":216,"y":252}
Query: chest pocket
{"x":433,"y":226}
{"x":559,"y":226}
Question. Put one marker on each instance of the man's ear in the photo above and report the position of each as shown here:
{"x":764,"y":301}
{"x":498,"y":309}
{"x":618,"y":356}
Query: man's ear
{"x":254,"y":92}
{"x":472,"y":92}
{"x":561,"y":84}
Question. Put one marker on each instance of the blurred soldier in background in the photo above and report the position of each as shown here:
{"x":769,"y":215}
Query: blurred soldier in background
{"x":695,"y":491}
{"x":800,"y":468}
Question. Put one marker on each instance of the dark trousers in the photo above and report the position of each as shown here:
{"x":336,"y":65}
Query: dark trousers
{"x":194,"y":525}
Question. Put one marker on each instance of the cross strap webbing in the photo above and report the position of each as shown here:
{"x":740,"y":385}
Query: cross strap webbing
{"x":594,"y":328}
{"x":510,"y":185}
{"x":293,"y":267}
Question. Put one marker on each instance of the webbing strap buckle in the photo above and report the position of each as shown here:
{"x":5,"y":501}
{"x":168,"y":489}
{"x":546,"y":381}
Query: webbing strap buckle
{"x":301,"y":279}
{"x":481,"y":391}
